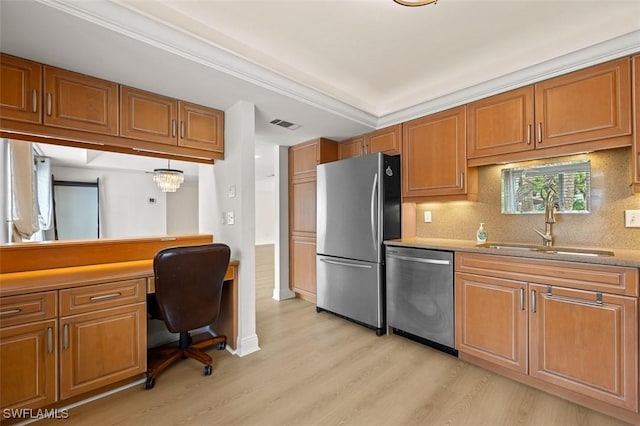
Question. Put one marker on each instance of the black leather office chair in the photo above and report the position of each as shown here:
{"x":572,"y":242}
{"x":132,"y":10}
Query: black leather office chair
{"x":188,"y":282}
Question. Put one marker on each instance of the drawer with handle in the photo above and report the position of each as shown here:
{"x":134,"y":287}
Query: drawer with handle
{"x":27,"y":308}
{"x":100,"y":296}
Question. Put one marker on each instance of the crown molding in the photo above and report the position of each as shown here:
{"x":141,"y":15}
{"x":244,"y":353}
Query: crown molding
{"x":129,"y":23}
{"x":126,"y":22}
{"x":615,"y":48}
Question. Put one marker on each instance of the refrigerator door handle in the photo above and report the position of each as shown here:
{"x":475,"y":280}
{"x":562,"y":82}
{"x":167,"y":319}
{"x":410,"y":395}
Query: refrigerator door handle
{"x":374,"y":209}
{"x":352,"y":265}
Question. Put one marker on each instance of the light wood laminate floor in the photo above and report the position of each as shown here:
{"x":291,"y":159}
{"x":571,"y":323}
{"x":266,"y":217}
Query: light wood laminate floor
{"x":318,"y":369}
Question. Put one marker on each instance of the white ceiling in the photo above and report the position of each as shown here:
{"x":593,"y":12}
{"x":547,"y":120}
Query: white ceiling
{"x":338,"y":68}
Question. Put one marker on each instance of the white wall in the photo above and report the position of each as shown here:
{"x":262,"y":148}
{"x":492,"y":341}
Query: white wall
{"x":182,"y":210}
{"x":238,"y":170}
{"x":266,"y":211}
{"x":124,"y":201}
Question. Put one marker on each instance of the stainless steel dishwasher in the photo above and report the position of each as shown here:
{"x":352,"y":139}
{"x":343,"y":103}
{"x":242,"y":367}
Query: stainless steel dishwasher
{"x":420,"y":295}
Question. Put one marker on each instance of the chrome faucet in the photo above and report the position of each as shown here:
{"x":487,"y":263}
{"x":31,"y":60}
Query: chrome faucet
{"x":550,"y":206}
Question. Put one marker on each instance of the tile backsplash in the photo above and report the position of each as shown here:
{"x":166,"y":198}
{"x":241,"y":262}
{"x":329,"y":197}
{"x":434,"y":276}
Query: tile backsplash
{"x":604,"y":227}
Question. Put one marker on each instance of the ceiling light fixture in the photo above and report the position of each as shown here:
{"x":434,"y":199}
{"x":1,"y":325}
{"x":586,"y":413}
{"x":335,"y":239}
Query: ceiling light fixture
{"x":413,"y":3}
{"x":168,"y":180}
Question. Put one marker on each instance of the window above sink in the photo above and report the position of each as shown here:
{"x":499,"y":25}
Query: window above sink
{"x":525,"y":189}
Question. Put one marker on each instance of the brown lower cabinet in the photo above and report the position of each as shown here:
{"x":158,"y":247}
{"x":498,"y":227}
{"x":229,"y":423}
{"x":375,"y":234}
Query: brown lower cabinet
{"x":303,"y":267}
{"x":33,"y":348}
{"x":59,"y":344}
{"x":568,"y":328}
{"x":28,"y":350}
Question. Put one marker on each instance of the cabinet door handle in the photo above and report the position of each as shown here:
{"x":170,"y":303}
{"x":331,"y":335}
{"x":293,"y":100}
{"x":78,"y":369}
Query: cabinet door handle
{"x":540,"y":132}
{"x":11,"y":312}
{"x":65,"y":337}
{"x":50,"y":339}
{"x":461,"y":180}
{"x":34,"y":108}
{"x":521,"y":299}
{"x":597,"y":302}
{"x":173,"y":128}
{"x":49,"y":104}
{"x":105,"y":296}
{"x":533,"y":301}
{"x":529,"y":134}
{"x":181,"y":129}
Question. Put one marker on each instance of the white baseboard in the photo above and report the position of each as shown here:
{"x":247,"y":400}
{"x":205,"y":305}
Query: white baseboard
{"x":247,"y":345}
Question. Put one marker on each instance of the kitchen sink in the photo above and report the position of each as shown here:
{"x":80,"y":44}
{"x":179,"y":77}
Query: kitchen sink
{"x":547,"y":250}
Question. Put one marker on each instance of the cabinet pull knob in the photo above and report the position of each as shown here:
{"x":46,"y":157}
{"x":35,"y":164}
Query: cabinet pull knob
{"x":540,"y":132}
{"x":597,"y":302}
{"x":105,"y":296}
{"x":50,"y":339}
{"x":173,"y":128}
{"x":65,"y":337}
{"x":34,"y":108}
{"x":533,"y":301}
{"x":11,"y":312}
{"x":49,"y":104}
{"x":181,"y":129}
{"x":529,"y":134}
{"x":521,"y":299}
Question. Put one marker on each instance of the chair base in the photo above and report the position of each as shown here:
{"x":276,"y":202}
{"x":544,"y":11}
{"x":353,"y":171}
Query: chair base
{"x":161,"y":357}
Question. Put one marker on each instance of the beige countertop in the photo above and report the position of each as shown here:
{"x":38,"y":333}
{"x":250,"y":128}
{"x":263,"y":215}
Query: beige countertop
{"x":621,"y":257}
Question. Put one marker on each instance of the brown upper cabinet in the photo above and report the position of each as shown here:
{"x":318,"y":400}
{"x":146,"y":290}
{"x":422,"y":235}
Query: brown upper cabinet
{"x":20,"y":89}
{"x":160,"y":119}
{"x":353,"y":147}
{"x":434,"y":162}
{"x":43,"y":103}
{"x":387,"y":141}
{"x":147,"y":116}
{"x":590,"y":107}
{"x":636,"y":123}
{"x":200,"y":127}
{"x":79,"y":102}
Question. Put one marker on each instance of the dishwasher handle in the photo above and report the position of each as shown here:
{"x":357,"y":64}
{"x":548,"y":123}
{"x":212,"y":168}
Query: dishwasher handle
{"x":420,"y":259}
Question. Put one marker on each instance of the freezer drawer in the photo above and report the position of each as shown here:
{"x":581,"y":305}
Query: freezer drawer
{"x":351,"y":288}
{"x":420,"y":293}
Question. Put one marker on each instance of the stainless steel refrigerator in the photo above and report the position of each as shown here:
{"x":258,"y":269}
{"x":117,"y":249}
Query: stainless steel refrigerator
{"x":358,"y":207}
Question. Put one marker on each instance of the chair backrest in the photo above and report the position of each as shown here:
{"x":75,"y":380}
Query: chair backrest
{"x":188,"y":282}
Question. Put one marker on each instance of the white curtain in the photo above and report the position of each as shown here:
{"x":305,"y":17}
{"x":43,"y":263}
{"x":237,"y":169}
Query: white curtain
{"x":24,"y":211}
{"x":45,"y":193}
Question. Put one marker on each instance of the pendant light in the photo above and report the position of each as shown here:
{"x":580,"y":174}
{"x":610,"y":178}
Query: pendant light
{"x":413,"y":3}
{"x":168,"y":180}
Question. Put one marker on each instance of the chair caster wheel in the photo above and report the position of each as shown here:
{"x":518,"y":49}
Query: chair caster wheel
{"x":222,"y":346}
{"x":318,"y":310}
{"x":207,"y":370}
{"x":149,"y":383}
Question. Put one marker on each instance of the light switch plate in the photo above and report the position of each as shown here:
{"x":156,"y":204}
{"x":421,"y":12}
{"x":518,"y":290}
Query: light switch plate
{"x":427,"y":216}
{"x":232,"y":191}
{"x":632,"y":218}
{"x":230,"y":218}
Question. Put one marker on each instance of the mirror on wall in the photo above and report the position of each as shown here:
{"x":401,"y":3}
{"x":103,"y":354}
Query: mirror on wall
{"x":526,"y":189}
{"x":130,"y":203}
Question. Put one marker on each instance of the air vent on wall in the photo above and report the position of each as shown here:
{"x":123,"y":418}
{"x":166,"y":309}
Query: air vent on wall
{"x":285,"y":124}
